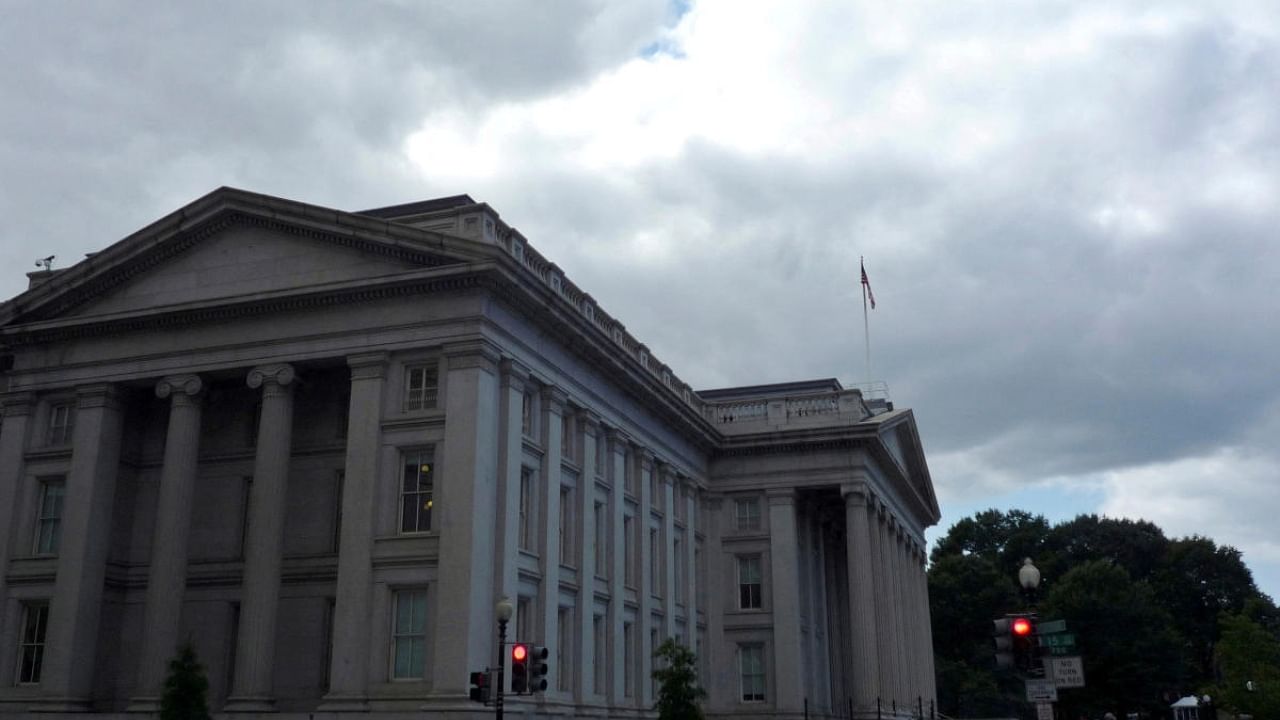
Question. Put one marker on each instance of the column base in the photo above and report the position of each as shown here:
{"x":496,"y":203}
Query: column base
{"x":246,"y":704}
{"x":343,"y":703}
{"x":143,"y":705}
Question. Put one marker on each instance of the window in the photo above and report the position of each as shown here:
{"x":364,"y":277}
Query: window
{"x":751,"y":670}
{"x":679,"y":568}
{"x":748,"y":513}
{"x":602,"y":455}
{"x":62,"y":417}
{"x":564,"y":649}
{"x":601,"y":662}
{"x":526,"y":508}
{"x":409,"y":636}
{"x":655,"y":562}
{"x":628,"y":659}
{"x":655,"y":490}
{"x":749,"y":582}
{"x":421,"y":387}
{"x":527,"y":414}
{"x":49,"y":520}
{"x":567,"y":529}
{"x":35,"y":622}
{"x":415,"y":492}
{"x":653,"y":647}
{"x":602,"y":541}
{"x":524,"y":618}
{"x":568,"y":446}
{"x":629,"y":550}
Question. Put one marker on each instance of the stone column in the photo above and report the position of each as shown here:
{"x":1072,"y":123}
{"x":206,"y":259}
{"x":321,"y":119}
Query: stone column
{"x":167,"y":576}
{"x":587,"y":550}
{"x":862,"y":599}
{"x":643,"y":462}
{"x":510,"y":457}
{"x":617,"y":468}
{"x":884,"y":603}
{"x":784,"y":590}
{"x":465,"y":498}
{"x":918,"y":622}
{"x":718,"y":684}
{"x":903,"y":647}
{"x":553,"y":407}
{"x":260,"y":591}
{"x":666,"y":486}
{"x":930,"y":676}
{"x":74,"y":613}
{"x":16,"y":410}
{"x":689,"y":496}
{"x":349,"y":663}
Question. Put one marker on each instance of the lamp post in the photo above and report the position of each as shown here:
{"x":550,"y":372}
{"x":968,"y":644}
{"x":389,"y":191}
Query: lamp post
{"x":1029,"y":579}
{"x":503,"y":612}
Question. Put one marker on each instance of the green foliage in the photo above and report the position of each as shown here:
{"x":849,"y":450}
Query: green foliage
{"x":678,"y":690}
{"x":1248,"y":653}
{"x":186,"y":688}
{"x":1144,"y":608}
{"x":1132,"y":654}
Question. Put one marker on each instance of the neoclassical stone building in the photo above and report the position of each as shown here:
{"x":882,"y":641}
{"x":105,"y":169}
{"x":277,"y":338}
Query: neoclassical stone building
{"x":320,"y":446}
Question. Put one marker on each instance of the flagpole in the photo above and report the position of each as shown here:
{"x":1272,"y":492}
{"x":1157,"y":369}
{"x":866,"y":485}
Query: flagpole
{"x":866,"y":325}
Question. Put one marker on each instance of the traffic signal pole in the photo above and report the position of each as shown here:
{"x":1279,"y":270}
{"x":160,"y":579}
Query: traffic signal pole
{"x":502,"y":661}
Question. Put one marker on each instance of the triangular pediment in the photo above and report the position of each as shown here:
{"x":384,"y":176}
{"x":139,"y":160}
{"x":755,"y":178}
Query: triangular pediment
{"x":234,"y":246}
{"x":243,"y":261}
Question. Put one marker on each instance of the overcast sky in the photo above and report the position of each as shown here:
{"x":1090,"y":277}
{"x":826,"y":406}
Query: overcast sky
{"x":1068,"y":209}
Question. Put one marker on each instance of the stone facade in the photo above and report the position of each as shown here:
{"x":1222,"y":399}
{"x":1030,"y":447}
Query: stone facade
{"x":320,"y":446}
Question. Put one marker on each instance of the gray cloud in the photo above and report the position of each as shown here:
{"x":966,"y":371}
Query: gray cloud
{"x":1067,"y":210}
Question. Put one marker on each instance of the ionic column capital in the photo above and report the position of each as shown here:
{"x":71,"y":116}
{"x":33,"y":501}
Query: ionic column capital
{"x":277,"y":375}
{"x":183,"y":388}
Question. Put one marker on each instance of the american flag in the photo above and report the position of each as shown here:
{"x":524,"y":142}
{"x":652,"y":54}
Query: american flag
{"x":867,"y":284}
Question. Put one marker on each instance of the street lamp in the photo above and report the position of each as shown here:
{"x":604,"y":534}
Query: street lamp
{"x":502,"y":611}
{"x":1029,"y":579}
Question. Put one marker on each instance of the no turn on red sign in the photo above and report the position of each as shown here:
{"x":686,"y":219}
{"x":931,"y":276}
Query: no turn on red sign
{"x":1066,"y":672}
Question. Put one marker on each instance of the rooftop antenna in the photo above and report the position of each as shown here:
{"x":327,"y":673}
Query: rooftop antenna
{"x":46,"y":263}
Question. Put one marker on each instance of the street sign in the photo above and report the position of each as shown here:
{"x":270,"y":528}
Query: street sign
{"x":1063,"y":650}
{"x":1041,"y":691}
{"x":1044,"y":711}
{"x":1051,"y":626}
{"x":1065,"y":672}
{"x":1058,"y":640}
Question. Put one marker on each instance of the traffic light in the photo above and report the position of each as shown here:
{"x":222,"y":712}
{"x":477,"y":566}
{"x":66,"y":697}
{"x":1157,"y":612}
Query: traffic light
{"x":480,"y":687}
{"x":1015,"y":640}
{"x":538,"y":668}
{"x":519,"y":668}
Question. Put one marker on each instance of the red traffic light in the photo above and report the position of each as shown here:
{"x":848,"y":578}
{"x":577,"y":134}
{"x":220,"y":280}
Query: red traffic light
{"x":519,"y":653}
{"x":1021,"y":627}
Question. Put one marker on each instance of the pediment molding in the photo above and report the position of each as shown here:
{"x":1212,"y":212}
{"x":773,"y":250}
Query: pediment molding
{"x":222,"y":211}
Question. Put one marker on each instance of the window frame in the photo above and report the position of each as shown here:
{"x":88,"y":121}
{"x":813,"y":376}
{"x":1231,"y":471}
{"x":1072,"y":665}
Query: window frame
{"x":60,"y":434}
{"x":601,"y":539}
{"x":429,"y":393}
{"x":32,"y":640}
{"x":750,"y":521}
{"x":413,"y":594}
{"x":43,"y":519}
{"x":745,"y":593}
{"x":419,"y":494}
{"x":527,"y":509}
{"x":568,"y":527}
{"x":754,"y":651}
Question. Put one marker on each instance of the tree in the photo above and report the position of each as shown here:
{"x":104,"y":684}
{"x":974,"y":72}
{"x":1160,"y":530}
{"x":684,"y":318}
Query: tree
{"x":1248,"y":656}
{"x":186,"y":689}
{"x":1131,"y":651}
{"x":678,"y":691}
{"x":967,"y":592}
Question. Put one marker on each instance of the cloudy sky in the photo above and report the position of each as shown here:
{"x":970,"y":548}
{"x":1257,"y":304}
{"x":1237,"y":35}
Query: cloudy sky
{"x":1068,"y":209}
